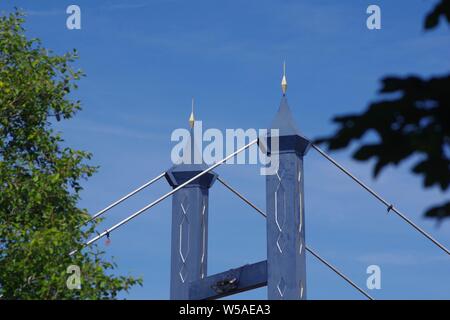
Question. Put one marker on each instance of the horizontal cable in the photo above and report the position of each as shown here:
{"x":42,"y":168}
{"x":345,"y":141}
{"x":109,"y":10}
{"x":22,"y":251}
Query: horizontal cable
{"x":112,"y":205}
{"x":329,"y":265}
{"x":377,"y":196}
{"x":137,"y":213}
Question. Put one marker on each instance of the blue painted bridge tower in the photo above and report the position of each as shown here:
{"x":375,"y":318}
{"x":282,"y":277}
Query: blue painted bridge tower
{"x":286,"y":250}
{"x":284,"y":271}
{"x":189,"y":243}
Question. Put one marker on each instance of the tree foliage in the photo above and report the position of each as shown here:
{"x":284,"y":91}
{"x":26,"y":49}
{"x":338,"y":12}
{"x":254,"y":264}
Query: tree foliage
{"x":40,"y":177}
{"x":414,"y":123}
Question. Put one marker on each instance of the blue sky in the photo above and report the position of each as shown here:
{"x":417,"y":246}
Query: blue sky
{"x":144,"y":61}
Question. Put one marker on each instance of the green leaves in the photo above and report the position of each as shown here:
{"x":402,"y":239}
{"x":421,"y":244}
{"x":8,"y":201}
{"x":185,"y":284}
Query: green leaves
{"x":40,"y":180}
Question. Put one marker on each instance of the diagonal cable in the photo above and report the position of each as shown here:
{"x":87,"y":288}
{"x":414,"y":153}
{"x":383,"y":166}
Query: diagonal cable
{"x":343,"y":276}
{"x":140,"y":211}
{"x":388,"y":205}
{"x":242,"y":197}
{"x":329,"y":265}
{"x":112,"y":205}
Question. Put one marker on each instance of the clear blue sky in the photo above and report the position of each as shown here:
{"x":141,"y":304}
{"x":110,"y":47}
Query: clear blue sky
{"x":145,"y":59}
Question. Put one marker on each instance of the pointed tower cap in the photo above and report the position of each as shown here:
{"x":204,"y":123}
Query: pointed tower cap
{"x":284,"y":120}
{"x":290,"y":138}
{"x":180,"y":172}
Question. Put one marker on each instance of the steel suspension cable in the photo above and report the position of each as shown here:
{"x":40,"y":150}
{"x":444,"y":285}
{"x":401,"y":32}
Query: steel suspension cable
{"x":241,"y":197}
{"x":343,"y":276}
{"x":377,"y":196}
{"x":112,"y":205}
{"x":311,"y":251}
{"x":137,"y":213}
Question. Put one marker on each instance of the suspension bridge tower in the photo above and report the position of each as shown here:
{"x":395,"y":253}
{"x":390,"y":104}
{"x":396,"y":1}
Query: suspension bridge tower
{"x":189,"y":249}
{"x":286,"y":258}
{"x":284,"y":270}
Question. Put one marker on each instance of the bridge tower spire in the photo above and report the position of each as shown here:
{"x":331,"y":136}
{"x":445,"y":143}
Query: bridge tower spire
{"x":286,"y":258}
{"x":189,"y":243}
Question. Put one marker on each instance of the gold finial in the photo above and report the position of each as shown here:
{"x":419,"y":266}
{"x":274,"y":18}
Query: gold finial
{"x":284,"y":80}
{"x":192,"y":118}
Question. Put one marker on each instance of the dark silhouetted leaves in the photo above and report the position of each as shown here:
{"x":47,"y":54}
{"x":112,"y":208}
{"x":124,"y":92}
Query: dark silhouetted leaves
{"x":439,"y":212}
{"x":441,"y":9}
{"x":413,"y":119}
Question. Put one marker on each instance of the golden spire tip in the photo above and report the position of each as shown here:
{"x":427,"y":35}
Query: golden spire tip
{"x":284,"y":80}
{"x":191,"y":117}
